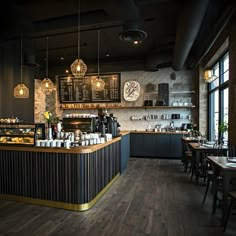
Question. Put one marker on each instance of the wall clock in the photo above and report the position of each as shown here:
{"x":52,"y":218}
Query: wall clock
{"x":131,"y":90}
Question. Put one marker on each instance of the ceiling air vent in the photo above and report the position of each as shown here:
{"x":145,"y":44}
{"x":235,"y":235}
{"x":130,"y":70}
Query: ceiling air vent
{"x":132,"y":34}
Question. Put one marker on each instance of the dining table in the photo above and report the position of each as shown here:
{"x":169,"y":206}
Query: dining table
{"x":225,"y":167}
{"x":207,"y":149}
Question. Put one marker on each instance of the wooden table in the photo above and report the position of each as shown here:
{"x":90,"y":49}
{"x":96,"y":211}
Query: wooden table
{"x":197,"y":149}
{"x":228,"y":173}
{"x":190,"y":139}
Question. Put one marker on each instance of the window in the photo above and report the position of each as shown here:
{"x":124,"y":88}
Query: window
{"x":219,"y":98}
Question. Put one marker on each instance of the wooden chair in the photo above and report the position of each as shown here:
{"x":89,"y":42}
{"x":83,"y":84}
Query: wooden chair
{"x":231,"y":150}
{"x":187,"y":156}
{"x":232,"y":196}
{"x":210,"y":178}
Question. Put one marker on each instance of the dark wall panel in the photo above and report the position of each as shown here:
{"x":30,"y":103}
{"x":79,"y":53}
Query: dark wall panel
{"x":10,"y":77}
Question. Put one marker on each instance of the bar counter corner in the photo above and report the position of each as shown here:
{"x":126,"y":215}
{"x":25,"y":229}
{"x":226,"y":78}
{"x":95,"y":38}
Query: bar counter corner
{"x":72,"y":179}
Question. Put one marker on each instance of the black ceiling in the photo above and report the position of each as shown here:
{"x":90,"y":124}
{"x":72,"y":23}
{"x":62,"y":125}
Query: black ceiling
{"x":176,"y":31}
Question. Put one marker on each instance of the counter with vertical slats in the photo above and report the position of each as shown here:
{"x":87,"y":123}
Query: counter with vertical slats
{"x":72,"y":179}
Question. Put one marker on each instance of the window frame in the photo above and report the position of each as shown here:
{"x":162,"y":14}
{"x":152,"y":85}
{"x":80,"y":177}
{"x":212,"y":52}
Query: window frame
{"x":221,"y":87}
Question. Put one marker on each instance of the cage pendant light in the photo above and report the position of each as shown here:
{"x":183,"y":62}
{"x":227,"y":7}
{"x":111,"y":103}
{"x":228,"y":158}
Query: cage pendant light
{"x":209,"y":76}
{"x":21,"y":91}
{"x":47,"y":84}
{"x":98,"y":83}
{"x":78,"y":67}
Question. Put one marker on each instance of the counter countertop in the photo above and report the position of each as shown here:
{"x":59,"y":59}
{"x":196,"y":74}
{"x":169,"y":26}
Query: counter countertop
{"x":153,"y":132}
{"x":74,"y":150}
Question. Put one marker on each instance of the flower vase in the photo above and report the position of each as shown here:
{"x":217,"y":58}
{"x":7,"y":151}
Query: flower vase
{"x":49,"y":132}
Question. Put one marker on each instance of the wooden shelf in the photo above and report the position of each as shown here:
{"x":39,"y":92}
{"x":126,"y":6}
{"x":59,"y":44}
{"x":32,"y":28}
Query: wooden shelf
{"x":182,"y":92}
{"x":120,"y":107}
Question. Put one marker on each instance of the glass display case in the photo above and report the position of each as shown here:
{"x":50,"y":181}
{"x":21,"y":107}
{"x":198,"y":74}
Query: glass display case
{"x":21,"y":133}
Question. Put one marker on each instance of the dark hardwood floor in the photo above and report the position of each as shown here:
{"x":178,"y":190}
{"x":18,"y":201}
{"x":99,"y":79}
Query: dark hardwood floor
{"x":152,"y":197}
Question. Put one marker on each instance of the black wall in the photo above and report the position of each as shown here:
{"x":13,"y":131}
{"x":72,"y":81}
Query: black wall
{"x":10,"y":65}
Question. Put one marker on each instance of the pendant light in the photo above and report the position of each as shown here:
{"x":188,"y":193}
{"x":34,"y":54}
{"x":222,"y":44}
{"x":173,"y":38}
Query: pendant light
{"x":78,"y":67}
{"x":98,"y":83}
{"x":21,"y":91}
{"x":47,"y":84}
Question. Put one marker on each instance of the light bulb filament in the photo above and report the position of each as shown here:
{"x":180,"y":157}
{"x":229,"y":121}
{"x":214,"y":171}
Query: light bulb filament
{"x":78,"y":68}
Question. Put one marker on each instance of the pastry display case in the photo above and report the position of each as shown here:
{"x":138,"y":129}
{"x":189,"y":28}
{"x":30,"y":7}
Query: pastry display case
{"x":21,"y":133}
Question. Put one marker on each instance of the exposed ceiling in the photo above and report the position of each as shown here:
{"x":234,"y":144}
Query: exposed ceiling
{"x":176,"y":31}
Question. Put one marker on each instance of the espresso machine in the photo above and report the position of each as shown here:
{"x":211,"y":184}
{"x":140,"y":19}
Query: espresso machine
{"x":80,"y":122}
{"x":107,"y":124}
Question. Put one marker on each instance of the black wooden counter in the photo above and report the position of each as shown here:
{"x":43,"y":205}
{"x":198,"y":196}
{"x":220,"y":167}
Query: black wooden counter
{"x":72,"y":179}
{"x":156,"y":144}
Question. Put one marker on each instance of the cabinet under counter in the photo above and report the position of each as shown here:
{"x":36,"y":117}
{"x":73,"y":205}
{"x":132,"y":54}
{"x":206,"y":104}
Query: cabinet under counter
{"x":156,"y":144}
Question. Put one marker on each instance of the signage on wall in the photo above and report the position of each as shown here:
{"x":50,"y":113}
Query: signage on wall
{"x":132,"y":91}
{"x":80,"y":90}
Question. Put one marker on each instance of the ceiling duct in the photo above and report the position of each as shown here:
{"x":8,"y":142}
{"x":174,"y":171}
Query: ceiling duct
{"x":188,"y":27}
{"x":131,"y":29}
{"x":156,"y":61}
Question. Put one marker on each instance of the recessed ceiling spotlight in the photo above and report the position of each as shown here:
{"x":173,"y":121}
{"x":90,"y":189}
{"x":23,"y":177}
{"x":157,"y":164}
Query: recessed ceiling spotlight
{"x":67,"y":71}
{"x":62,"y":58}
{"x":107,"y":53}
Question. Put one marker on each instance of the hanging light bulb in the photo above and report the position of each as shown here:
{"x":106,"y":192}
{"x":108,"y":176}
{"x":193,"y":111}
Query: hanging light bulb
{"x":47,"y":84}
{"x":21,"y":91}
{"x":78,"y":67}
{"x":98,"y":83}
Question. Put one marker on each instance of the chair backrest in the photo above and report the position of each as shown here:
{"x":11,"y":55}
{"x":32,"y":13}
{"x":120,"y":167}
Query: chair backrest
{"x":185,"y":146}
{"x":218,"y":150}
{"x":231,"y":150}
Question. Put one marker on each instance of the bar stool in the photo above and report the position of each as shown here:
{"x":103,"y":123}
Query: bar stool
{"x":232,"y":196}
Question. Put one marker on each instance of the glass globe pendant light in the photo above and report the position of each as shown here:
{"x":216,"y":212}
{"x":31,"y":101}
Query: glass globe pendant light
{"x":21,"y":91}
{"x":47,"y":84}
{"x":78,"y":67}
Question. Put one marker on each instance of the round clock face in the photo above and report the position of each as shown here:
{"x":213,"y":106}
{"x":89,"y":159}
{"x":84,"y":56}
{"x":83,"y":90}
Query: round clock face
{"x":131,"y":90}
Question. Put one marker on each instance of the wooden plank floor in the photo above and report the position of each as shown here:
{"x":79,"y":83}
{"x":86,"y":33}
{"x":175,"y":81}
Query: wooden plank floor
{"x":152,"y":197}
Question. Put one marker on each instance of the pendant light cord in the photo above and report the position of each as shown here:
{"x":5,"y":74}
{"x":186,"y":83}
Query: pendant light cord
{"x":47,"y":57}
{"x":21,"y":59}
{"x":78,"y":29}
{"x":98,"y":50}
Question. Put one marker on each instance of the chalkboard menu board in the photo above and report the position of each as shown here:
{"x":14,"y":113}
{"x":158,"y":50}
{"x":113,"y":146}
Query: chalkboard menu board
{"x":82,"y":90}
{"x":163,"y":93}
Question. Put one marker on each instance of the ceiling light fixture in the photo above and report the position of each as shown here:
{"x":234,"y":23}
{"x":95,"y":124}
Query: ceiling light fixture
{"x":132,"y":33}
{"x":209,"y":76}
{"x":98,"y":83}
{"x":21,"y":91}
{"x":78,"y":67}
{"x":47,"y":84}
